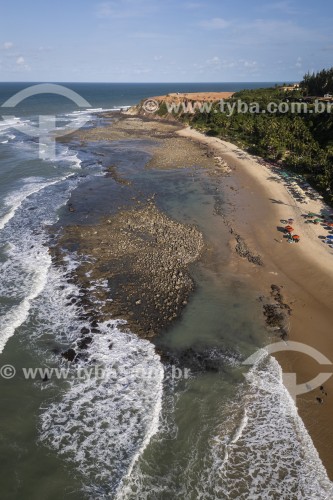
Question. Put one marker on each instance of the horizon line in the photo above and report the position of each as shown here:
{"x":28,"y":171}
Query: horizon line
{"x":148,"y":83}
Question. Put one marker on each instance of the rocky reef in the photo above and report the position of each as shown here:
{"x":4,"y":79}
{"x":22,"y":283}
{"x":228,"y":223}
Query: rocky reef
{"x":134,"y":266}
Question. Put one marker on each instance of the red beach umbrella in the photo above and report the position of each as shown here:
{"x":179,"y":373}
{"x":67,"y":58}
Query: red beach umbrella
{"x":296,"y":237}
{"x":289,"y":229}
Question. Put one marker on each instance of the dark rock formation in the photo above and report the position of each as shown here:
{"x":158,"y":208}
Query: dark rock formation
{"x":243,"y":251}
{"x":69,"y":355}
{"x":143,"y":255}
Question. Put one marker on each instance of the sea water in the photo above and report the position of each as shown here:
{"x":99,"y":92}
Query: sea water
{"x":126,"y":435}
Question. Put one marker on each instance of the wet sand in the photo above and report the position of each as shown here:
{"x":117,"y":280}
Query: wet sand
{"x":256,"y":201}
{"x":304,"y":270}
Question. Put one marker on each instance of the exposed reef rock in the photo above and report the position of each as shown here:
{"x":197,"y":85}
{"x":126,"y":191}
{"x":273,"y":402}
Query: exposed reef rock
{"x":136,"y":268}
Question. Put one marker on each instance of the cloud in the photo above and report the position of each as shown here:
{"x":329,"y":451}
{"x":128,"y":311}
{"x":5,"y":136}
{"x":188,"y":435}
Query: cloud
{"x":214,"y":61}
{"x":122,"y":9}
{"x":299,"y":62}
{"x":250,"y":64}
{"x":8,"y":45}
{"x":217,"y":64}
{"x":285,"y":6}
{"x":217,"y":23}
{"x":21,"y":64}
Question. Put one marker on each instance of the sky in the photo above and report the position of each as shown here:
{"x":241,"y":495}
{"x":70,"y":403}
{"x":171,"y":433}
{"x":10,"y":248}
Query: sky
{"x":164,"y":40}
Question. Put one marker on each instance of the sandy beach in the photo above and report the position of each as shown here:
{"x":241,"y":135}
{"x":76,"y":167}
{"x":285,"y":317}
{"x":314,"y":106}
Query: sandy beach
{"x":258,"y":199}
{"x":304,"y":270}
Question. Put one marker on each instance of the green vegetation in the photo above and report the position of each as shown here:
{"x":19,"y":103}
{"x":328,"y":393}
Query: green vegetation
{"x":162,"y":110}
{"x":318,"y":84}
{"x":301,"y":142}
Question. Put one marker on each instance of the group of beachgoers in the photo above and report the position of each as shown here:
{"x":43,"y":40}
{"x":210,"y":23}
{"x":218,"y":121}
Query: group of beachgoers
{"x":289,"y":231}
{"x":298,"y":188}
{"x":295,"y":184}
{"x":325,"y":220}
{"x":302,"y":192}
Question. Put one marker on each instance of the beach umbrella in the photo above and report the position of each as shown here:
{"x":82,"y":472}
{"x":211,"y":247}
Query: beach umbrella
{"x":330,"y":224}
{"x":311,"y":214}
{"x":317,"y":220}
{"x":289,"y":229}
{"x":290,"y":220}
{"x":329,"y":237}
{"x":296,"y":237}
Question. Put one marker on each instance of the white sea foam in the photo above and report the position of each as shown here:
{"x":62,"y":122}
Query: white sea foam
{"x":27,"y":144}
{"x":74,"y":120}
{"x":118,"y":108}
{"x":65,"y":154}
{"x":104,"y":425}
{"x":15,"y":199}
{"x":8,"y":124}
{"x":257,"y":447}
{"x":239,"y":431}
{"x":269,"y":453}
{"x":93,"y":110}
{"x":27,"y":261}
{"x":18,"y":314}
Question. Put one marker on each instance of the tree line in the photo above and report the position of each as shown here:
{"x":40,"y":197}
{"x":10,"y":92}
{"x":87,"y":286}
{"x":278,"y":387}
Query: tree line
{"x":301,"y":142}
{"x":318,"y":84}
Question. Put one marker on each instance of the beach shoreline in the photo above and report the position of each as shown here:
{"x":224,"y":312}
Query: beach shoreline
{"x":257,"y":201}
{"x":304,"y":271}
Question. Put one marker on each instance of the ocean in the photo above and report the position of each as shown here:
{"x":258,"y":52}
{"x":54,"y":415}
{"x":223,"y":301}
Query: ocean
{"x":213,"y":435}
